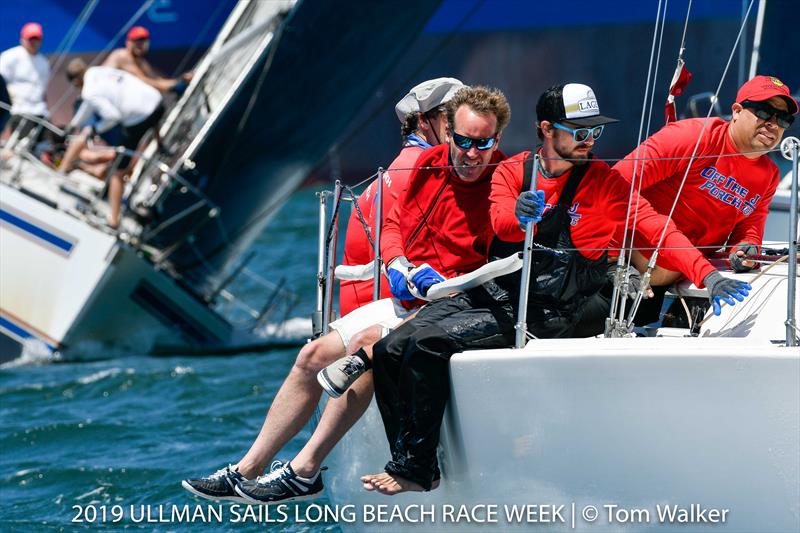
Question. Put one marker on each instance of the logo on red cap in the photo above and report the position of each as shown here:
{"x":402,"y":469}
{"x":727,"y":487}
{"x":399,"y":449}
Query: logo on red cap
{"x":776,"y":81}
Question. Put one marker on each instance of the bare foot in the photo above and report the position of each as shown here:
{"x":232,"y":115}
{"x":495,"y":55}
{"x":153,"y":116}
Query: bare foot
{"x":366,"y":481}
{"x":391,"y":484}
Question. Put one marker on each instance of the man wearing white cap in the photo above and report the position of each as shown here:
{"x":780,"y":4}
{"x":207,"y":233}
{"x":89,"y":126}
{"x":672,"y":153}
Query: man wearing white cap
{"x":26,"y":73}
{"x":299,"y":395}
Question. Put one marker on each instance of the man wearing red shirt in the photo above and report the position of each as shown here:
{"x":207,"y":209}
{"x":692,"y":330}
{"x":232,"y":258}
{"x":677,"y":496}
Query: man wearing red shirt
{"x":725,"y":198}
{"x":424,"y":124}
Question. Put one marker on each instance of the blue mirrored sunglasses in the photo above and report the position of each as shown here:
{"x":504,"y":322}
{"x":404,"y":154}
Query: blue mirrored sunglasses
{"x":582,"y":134}
{"x":465,"y":143}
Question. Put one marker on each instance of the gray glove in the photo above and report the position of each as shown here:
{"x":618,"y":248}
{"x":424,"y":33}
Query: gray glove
{"x":737,"y":260}
{"x":634,"y":280}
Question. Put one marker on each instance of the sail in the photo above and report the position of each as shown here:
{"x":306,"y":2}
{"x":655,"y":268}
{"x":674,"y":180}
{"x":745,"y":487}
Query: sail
{"x":275,"y":95}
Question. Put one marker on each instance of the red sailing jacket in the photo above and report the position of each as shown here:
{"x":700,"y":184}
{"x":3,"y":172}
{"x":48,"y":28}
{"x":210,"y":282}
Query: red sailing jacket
{"x":598,"y":207}
{"x":440,"y":219}
{"x":357,"y":250}
{"x":726,"y":196}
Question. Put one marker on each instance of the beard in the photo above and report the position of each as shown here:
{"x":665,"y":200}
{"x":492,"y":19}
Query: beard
{"x":577,"y":158}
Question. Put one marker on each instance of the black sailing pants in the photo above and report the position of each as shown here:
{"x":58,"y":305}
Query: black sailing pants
{"x":412,"y":374}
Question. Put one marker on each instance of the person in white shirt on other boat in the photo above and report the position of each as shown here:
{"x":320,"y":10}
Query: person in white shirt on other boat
{"x":111,"y":97}
{"x":300,"y":392}
{"x":26,"y":73}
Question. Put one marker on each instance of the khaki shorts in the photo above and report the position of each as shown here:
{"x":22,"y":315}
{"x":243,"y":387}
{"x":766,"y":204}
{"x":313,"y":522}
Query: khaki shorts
{"x":383,"y":312}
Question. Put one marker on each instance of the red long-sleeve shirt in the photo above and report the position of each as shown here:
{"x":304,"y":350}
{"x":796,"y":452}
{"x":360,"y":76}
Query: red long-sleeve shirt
{"x":598,"y":207}
{"x":726,"y":196}
{"x":357,"y":249}
{"x":440,"y":219}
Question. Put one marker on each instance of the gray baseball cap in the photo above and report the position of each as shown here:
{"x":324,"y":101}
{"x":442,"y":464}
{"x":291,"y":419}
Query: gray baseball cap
{"x":427,"y":95}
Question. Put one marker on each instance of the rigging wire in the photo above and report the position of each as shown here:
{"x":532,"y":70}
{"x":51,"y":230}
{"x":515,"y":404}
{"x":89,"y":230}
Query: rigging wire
{"x":69,"y":39}
{"x":651,"y":264}
{"x":639,"y":182}
{"x":621,"y":260}
{"x":196,"y":43}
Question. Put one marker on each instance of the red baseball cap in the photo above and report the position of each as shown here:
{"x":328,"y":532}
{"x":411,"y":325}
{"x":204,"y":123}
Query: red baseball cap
{"x":31,"y":30}
{"x":138,"y":32}
{"x":763,"y":88}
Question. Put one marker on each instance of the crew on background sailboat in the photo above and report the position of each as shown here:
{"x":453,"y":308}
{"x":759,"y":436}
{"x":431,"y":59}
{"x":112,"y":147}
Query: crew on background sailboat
{"x":111,"y":97}
{"x":132,"y":58}
{"x":26,"y":73}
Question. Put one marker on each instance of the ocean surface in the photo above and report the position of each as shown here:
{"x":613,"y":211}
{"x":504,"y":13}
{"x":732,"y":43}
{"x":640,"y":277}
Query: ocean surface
{"x":107,"y":440}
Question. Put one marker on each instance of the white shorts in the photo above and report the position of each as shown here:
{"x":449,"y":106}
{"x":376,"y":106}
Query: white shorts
{"x":382,"y":312}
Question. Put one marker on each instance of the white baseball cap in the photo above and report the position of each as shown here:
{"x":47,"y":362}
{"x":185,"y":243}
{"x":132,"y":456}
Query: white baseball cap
{"x":427,"y":95}
{"x":577,"y":104}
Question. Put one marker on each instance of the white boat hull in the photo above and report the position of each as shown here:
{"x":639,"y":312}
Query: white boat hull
{"x":69,"y":286}
{"x":640,"y":423}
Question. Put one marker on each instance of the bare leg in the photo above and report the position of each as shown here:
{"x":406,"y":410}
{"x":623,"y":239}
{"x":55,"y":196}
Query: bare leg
{"x":76,"y":144}
{"x":115,"y":188}
{"x":339,"y":416}
{"x":293,"y":404}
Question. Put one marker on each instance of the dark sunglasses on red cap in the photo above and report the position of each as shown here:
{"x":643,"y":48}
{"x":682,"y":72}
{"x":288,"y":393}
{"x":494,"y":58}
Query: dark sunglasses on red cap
{"x":465,"y":143}
{"x":765,"y":112}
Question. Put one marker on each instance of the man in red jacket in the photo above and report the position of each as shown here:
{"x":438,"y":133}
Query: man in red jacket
{"x":296,"y":400}
{"x":724,"y":200}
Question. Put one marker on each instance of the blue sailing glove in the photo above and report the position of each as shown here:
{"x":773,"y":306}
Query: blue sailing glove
{"x":530,"y":207}
{"x":737,"y":257}
{"x":725,"y":289}
{"x":397,"y":272}
{"x":423,"y":278}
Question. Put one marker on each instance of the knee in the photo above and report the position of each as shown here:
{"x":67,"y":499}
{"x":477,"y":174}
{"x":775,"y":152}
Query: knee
{"x":312,"y":358}
{"x":364,"y":338}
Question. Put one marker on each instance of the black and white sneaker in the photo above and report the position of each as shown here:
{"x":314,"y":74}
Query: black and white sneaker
{"x":280,"y":485}
{"x":337,"y":377}
{"x":218,"y":486}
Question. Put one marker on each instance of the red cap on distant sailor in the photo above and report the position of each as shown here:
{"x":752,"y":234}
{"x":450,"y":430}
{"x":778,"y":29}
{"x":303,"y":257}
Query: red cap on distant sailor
{"x":31,"y":30}
{"x":763,"y":88}
{"x":138,"y":32}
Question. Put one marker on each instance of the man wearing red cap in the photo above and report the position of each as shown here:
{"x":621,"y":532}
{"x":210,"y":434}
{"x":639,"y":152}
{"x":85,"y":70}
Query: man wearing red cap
{"x":26,"y":73}
{"x":729,"y":185}
{"x":132,"y":59}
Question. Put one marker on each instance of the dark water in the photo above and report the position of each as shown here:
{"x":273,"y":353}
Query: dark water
{"x":125,"y":430}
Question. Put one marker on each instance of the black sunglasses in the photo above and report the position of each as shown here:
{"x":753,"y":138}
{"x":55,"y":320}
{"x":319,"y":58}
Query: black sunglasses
{"x":764,"y":111}
{"x":465,"y":143}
